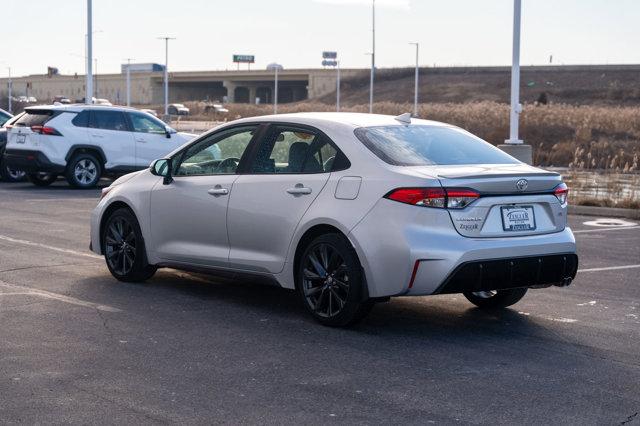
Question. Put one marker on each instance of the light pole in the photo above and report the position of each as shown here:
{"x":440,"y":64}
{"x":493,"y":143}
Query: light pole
{"x":89,"y":77}
{"x":513,"y":145}
{"x":275,"y":93}
{"x":515,"y":77}
{"x":373,"y":55}
{"x":338,"y":86}
{"x":9,"y":88}
{"x":166,"y":73}
{"x":415,"y":90}
{"x":129,"y":82}
{"x":95,"y":67}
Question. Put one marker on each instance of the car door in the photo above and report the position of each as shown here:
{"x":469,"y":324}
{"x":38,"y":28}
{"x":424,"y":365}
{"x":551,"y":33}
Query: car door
{"x":150,"y":136}
{"x":109,"y":130}
{"x":188,"y":215}
{"x":285,"y":176}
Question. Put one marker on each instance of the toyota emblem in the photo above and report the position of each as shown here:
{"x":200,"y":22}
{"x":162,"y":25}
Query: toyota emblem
{"x":522,"y":184}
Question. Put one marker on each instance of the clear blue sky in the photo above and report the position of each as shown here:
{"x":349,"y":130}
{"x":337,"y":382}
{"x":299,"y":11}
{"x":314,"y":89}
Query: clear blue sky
{"x":37,"y":33}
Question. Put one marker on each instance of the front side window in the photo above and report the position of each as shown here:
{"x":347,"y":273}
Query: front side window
{"x":144,"y":124}
{"x":108,"y":120}
{"x":220,"y":153}
{"x":291,"y":150}
{"x":420,"y":145}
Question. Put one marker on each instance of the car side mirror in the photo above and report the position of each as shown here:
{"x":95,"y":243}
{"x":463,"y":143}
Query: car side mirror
{"x":162,"y":167}
{"x":167,"y":131}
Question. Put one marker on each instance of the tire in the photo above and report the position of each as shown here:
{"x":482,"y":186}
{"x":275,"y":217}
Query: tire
{"x":11,"y":175}
{"x":42,"y":178}
{"x":83,"y":171}
{"x":330,"y":281}
{"x":123,"y":248}
{"x":495,"y":299}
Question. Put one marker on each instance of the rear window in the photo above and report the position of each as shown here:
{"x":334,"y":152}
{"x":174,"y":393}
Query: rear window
{"x":34,"y":118}
{"x":419,"y":145}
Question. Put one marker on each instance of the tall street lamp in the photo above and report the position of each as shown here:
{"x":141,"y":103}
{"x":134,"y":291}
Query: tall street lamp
{"x":415,"y":89}
{"x":9,"y":88}
{"x":515,"y":146}
{"x":129,"y":81}
{"x":166,"y":73}
{"x":89,"y":77}
{"x":373,"y":55}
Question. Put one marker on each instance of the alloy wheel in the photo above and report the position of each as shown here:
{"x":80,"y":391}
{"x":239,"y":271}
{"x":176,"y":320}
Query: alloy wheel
{"x":85,"y":171}
{"x":326,"y":281}
{"x":485,"y":294}
{"x":16,"y":174}
{"x":120,"y":245}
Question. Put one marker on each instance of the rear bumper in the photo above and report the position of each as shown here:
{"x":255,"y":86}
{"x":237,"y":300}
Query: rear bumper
{"x":412,"y":251}
{"x":500,"y":274}
{"x":31,"y":161}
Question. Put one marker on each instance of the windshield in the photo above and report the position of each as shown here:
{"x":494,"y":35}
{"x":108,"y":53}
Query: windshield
{"x":420,"y":145}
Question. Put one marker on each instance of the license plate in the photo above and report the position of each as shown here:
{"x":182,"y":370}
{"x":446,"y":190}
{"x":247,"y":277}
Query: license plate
{"x":21,"y":138}
{"x":518,"y":218}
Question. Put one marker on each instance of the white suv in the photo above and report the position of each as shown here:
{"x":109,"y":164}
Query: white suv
{"x":87,"y":142}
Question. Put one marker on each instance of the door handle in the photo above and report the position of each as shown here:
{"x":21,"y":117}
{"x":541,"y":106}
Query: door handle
{"x":299,"y":189}
{"x":97,"y":136}
{"x":141,"y":140}
{"x":218,"y":191}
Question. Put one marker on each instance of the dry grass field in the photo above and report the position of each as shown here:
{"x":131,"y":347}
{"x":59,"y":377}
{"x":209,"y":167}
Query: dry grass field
{"x":583,"y":137}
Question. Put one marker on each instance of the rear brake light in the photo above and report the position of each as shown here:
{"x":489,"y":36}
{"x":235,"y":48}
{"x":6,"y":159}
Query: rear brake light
{"x":45,"y":130}
{"x":561,"y":192}
{"x":452,"y":198}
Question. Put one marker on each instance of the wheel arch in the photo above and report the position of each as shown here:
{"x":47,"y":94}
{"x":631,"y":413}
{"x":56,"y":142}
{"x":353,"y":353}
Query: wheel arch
{"x":321,"y":229}
{"x":86,"y":149}
{"x":116,"y":205}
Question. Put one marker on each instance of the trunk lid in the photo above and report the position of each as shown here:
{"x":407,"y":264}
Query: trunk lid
{"x":515,"y":199}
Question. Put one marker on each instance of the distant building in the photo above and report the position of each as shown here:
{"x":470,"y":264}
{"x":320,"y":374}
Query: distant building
{"x":150,"y":67}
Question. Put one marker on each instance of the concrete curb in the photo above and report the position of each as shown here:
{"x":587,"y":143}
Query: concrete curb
{"x":604,"y":211}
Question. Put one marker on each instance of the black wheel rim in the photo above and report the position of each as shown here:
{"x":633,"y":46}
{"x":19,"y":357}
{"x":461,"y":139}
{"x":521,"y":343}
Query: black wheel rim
{"x":120,"y":245}
{"x":325,"y":280}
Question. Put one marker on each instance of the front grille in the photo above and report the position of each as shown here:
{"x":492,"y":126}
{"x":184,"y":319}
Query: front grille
{"x":501,"y":274}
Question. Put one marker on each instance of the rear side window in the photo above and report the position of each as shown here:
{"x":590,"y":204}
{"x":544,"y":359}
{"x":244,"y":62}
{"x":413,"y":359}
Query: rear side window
{"x":108,"y":120}
{"x":419,"y":145}
{"x":34,"y":118}
{"x":82,"y":119}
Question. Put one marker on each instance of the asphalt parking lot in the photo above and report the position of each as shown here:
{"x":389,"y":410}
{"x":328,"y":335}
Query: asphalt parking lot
{"x":78,"y":347}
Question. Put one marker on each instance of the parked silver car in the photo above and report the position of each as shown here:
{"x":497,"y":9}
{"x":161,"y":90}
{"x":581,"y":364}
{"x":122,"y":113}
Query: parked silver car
{"x":348,"y":209}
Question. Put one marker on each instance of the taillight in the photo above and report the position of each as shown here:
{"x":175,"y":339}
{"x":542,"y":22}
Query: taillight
{"x":561,"y":192}
{"x":451,"y":198}
{"x":45,"y":130}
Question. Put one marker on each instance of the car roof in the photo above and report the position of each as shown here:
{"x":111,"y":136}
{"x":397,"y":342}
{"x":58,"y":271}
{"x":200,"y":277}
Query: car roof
{"x":80,"y":107}
{"x":350,"y":119}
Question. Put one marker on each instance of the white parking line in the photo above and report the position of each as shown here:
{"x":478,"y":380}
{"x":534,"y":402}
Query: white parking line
{"x":619,"y":228}
{"x":45,"y":246}
{"x":609,"y":268}
{"x":21,"y":290}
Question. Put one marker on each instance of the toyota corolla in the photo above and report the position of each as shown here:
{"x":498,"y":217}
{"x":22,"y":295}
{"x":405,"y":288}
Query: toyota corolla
{"x":347,"y":209}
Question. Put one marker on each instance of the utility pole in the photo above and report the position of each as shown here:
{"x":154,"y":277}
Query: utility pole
{"x":373,"y":55}
{"x":10,"y":87}
{"x":415,"y":90}
{"x":89,"y":77}
{"x":515,"y":146}
{"x":166,"y":73}
{"x":129,"y":82}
